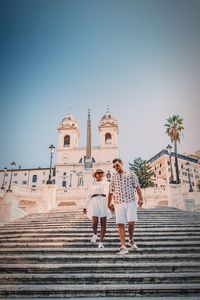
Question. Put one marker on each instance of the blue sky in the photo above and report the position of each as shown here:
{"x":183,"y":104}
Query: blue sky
{"x":142,"y":58}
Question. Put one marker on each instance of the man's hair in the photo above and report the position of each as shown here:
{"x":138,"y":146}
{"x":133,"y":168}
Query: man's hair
{"x":117,"y":159}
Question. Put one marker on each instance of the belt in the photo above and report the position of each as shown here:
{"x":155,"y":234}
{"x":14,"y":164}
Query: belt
{"x":97,"y":195}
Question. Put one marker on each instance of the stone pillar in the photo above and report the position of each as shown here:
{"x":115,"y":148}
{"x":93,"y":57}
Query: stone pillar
{"x":49,"y":196}
{"x":175,"y":196}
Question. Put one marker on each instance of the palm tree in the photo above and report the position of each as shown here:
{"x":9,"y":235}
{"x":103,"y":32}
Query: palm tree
{"x":174,"y":127}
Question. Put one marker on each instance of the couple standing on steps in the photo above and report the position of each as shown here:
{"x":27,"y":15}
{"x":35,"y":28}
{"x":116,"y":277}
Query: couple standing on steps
{"x":119,"y":197}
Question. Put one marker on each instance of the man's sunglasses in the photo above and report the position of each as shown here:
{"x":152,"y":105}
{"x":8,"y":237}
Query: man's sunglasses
{"x":117,"y":165}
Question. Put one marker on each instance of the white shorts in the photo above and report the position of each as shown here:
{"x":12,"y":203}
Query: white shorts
{"x":126,"y":212}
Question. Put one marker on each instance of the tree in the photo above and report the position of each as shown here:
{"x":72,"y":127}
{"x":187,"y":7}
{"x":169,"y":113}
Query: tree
{"x":174,"y":128}
{"x":143,"y":171}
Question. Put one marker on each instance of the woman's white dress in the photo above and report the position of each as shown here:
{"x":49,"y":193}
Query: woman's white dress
{"x":97,"y":206}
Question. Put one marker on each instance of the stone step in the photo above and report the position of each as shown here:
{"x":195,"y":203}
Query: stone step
{"x":79,"y":218}
{"x":100,"y":290}
{"x":138,"y":230}
{"x":94,"y":249}
{"x":74,"y":244}
{"x":98,"y":258}
{"x":108,"y":268}
{"x":88,"y":238}
{"x":91,"y":278}
{"x":87,"y":233}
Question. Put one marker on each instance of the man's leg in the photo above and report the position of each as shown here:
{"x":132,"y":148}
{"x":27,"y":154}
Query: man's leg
{"x":103,"y":228}
{"x":121,"y":230}
{"x":131,"y":226}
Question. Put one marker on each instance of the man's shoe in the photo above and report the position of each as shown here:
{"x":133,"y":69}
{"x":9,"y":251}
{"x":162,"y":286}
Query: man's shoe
{"x":101,"y":246}
{"x":133,"y":245}
{"x":94,"y":239}
{"x":123,"y":250}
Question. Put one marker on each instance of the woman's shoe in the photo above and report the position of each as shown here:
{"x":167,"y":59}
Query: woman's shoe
{"x":101,"y":246}
{"x":94,"y":239}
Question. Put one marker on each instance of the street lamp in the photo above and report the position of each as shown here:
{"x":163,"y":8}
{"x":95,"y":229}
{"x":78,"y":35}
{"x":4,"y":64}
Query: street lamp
{"x":189,"y":178}
{"x":4,"y":175}
{"x":169,"y":150}
{"x":12,"y":165}
{"x":70,"y":180}
{"x":51,"y":150}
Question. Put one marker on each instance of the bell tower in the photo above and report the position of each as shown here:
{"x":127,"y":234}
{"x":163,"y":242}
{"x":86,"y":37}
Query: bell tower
{"x":108,"y":130}
{"x":69,"y":133}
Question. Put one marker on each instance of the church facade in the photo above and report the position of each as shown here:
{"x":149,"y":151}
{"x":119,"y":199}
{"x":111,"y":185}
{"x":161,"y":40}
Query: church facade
{"x":70,"y":165}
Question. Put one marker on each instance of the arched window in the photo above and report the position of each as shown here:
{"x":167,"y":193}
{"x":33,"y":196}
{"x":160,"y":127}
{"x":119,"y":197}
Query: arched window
{"x":34,"y":179}
{"x":67,"y":140}
{"x":108,"y":138}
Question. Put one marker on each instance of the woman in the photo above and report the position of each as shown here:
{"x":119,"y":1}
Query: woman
{"x":96,"y":205}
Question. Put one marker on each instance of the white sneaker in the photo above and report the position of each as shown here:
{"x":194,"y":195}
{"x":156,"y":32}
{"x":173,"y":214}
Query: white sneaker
{"x":133,"y":245}
{"x":101,"y":245}
{"x":123,"y":250}
{"x":94,"y":239}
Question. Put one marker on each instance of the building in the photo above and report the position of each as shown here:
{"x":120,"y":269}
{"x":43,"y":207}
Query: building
{"x":71,"y":158}
{"x":165,"y":172}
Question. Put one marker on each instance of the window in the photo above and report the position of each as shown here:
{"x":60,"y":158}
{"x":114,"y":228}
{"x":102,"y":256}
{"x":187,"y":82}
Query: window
{"x":67,"y":140}
{"x":54,"y":172}
{"x":25,"y":174}
{"x":34,"y":179}
{"x":15,"y":174}
{"x":64,"y":174}
{"x":44,"y":173}
{"x":64,"y":183}
{"x":24,"y":182}
{"x":108,"y":138}
{"x":160,"y":165}
{"x":43,"y":181}
{"x":159,"y":172}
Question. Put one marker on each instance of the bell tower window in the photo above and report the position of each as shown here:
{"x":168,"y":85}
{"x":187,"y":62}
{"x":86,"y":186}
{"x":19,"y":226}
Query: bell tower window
{"x":67,"y":141}
{"x":108,"y":138}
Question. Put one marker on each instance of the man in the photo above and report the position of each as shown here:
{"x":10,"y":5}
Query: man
{"x":121,"y":191}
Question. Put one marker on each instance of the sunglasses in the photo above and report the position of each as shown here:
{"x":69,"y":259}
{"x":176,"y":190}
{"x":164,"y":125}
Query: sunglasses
{"x":117,"y":165}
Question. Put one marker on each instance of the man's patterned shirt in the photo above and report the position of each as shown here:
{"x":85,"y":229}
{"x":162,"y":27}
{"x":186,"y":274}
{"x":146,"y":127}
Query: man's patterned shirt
{"x":122,"y":187}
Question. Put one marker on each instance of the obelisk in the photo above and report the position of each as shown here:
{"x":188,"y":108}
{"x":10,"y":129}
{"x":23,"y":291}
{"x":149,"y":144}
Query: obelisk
{"x":88,"y":160}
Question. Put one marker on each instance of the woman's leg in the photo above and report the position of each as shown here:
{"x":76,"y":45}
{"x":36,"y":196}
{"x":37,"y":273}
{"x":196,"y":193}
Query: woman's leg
{"x":103,"y":228}
{"x":95,"y":224}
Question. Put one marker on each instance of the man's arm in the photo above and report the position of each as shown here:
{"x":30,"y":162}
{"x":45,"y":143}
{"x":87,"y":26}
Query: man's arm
{"x":139,"y":192}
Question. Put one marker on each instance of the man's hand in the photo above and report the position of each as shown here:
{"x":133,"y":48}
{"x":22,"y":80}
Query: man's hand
{"x":84,"y":210}
{"x":140,"y":202}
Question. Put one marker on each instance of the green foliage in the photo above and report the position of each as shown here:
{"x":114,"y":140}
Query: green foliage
{"x":144,"y":172}
{"x":174,"y":127}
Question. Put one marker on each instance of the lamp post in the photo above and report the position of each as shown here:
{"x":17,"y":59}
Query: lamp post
{"x":4,"y":174}
{"x":51,"y":150}
{"x":169,"y":150}
{"x":70,"y":180}
{"x":10,"y":183}
{"x":189,"y":178}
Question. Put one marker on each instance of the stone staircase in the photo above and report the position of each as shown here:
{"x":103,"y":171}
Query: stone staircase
{"x":49,"y":255}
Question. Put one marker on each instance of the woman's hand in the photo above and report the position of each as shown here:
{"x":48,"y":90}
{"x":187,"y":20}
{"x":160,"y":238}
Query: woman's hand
{"x":111,"y":207}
